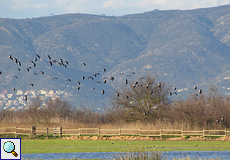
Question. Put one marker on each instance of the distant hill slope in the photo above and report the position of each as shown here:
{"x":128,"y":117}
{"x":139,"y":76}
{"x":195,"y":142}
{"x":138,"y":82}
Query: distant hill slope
{"x":185,"y":48}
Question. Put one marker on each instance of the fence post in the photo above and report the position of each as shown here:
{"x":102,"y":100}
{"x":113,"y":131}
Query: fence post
{"x":182,"y":131}
{"x":225,"y":132}
{"x":33,"y":132}
{"x":55,"y":132}
{"x":60,"y":133}
{"x":140,"y":131}
{"x":161,"y":133}
{"x":203,"y":132}
{"x":47,"y":133}
{"x":98,"y":131}
{"x":79,"y":131}
{"x":16,"y":131}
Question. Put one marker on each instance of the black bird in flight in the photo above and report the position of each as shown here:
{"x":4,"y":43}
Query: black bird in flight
{"x":90,"y":77}
{"x":25,"y":97}
{"x":83,"y":77}
{"x":78,"y":88}
{"x":200,"y":91}
{"x":104,"y":69}
{"x":112,"y":78}
{"x":84,"y":64}
{"x":54,"y":78}
{"x":174,"y":88}
{"x":42,"y":72}
{"x":31,"y":84}
{"x":33,"y":63}
{"x":11,"y":57}
{"x":159,"y":85}
{"x":50,"y":63}
{"x":147,"y":86}
{"x":79,"y":82}
{"x":16,"y":60}
{"x":68,"y":80}
{"x":15,"y":76}
{"x":38,"y":56}
{"x":0,"y":72}
{"x":195,"y":87}
{"x":103,"y":92}
{"x":18,"y":69}
{"x":95,"y":75}
{"x":49,"y":57}
{"x":126,"y":81}
{"x":117,"y":94}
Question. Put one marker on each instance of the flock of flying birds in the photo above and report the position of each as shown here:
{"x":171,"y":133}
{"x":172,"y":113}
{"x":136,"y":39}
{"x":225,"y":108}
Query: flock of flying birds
{"x":51,"y":62}
{"x":65,"y":63}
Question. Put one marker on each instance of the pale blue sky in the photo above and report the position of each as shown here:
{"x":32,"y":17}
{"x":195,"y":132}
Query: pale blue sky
{"x":39,"y":8}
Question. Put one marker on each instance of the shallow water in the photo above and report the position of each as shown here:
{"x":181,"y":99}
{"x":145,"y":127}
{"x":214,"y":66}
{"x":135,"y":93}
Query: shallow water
{"x":110,"y":155}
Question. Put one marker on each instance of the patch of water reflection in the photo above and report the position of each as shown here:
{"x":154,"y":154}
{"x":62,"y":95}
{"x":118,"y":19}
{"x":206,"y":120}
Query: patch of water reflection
{"x":110,"y":155}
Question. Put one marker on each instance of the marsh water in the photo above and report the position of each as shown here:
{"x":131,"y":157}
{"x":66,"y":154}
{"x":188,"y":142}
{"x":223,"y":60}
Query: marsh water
{"x":111,"y":155}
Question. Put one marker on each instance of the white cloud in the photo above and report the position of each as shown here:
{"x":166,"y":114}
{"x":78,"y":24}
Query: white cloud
{"x":24,"y":4}
{"x":116,"y":4}
{"x":73,"y":6}
{"x":224,"y":2}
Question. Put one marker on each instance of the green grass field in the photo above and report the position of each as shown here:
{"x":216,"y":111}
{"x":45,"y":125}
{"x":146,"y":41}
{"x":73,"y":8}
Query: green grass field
{"x":68,"y":146}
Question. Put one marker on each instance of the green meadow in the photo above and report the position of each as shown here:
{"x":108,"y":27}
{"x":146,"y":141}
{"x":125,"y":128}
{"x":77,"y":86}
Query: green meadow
{"x":68,"y":146}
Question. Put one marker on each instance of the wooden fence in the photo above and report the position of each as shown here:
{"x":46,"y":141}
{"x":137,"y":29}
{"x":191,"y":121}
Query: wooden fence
{"x":59,"y":132}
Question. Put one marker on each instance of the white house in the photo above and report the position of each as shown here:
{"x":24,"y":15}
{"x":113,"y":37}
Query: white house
{"x":19,"y":92}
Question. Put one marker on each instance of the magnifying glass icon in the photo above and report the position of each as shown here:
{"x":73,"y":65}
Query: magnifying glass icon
{"x":9,"y":147}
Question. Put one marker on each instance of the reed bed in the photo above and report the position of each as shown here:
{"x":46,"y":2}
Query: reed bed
{"x":156,"y":125}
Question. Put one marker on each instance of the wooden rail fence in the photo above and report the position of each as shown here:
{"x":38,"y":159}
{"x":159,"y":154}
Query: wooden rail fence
{"x":59,"y":132}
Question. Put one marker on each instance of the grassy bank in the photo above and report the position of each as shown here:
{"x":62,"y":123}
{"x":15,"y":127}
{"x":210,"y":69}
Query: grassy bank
{"x":68,"y":146}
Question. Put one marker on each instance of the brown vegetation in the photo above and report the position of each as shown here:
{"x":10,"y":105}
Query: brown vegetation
{"x":147,"y":106}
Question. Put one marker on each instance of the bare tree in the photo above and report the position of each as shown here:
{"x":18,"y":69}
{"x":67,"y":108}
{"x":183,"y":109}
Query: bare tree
{"x":33,"y":110}
{"x":143,"y":98}
{"x":210,"y":111}
{"x":59,"y":108}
